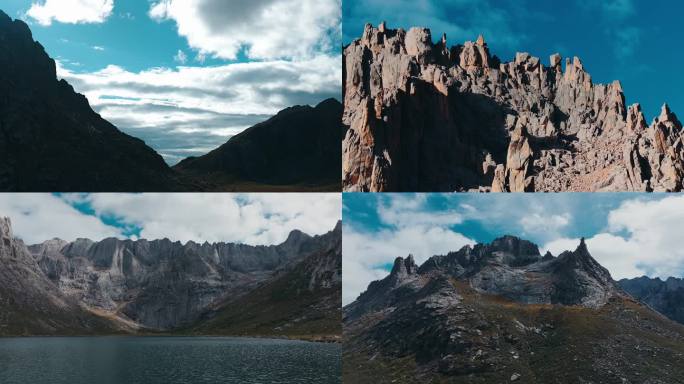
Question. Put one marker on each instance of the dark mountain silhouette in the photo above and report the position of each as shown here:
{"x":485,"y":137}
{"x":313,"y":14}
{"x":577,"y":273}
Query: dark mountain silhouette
{"x":299,"y":146}
{"x":51,"y":140}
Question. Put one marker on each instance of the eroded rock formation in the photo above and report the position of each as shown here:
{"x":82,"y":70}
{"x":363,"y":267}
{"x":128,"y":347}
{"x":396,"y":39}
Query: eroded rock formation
{"x":423,"y":116}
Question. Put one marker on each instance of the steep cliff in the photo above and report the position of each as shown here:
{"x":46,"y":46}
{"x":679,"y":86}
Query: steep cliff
{"x":424,"y":116}
{"x":30,"y":304}
{"x":159,"y":284}
{"x":303,"y":300}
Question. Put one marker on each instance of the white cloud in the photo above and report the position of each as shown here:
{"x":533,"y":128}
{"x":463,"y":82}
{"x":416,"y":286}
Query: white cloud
{"x":642,"y":238}
{"x":191,"y":110}
{"x":266,"y":29}
{"x":408,"y":211}
{"x":70,"y":11}
{"x":180,"y":57}
{"x":37,"y":217}
{"x":366,"y":252}
{"x":411,"y":230}
{"x":536,"y":222}
{"x":98,"y":48}
{"x":245,"y":218}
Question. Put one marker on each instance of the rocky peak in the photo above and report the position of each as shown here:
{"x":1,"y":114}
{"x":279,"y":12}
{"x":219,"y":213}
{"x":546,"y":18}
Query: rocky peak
{"x":5,"y":223}
{"x":514,"y":244}
{"x":296,"y":236}
{"x":418,"y":43}
{"x":667,"y":117}
{"x":404,"y":267}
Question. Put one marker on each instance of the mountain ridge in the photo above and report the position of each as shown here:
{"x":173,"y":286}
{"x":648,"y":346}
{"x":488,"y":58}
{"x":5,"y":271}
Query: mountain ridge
{"x":502,"y":312}
{"x":155,"y":286}
{"x":665,"y":296}
{"x":424,"y":116}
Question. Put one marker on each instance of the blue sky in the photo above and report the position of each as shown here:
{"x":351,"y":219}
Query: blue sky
{"x":631,"y":234}
{"x":242,"y":218}
{"x":635,"y":41}
{"x":186,"y":76}
{"x":130,"y":38}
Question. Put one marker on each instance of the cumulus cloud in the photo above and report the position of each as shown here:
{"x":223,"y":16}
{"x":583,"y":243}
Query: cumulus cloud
{"x":180,"y":57}
{"x":409,"y":230}
{"x":70,"y":11}
{"x":37,"y":217}
{"x":642,"y":238}
{"x":190,"y":110}
{"x":537,"y":222}
{"x":245,"y":218}
{"x":265,"y":29}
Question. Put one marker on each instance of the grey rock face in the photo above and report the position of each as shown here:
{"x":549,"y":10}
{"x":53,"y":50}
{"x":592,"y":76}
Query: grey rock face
{"x":30,"y":304}
{"x":162,"y":284}
{"x":666,"y":297}
{"x":425,"y":117}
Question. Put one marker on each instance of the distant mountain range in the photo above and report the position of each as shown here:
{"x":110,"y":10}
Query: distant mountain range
{"x":51,"y":140}
{"x":125,"y":286}
{"x":666,"y":297}
{"x":425,"y":116}
{"x":502,"y":312}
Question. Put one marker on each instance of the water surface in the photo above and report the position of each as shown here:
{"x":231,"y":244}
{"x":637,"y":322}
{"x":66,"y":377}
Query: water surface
{"x":166,"y":360}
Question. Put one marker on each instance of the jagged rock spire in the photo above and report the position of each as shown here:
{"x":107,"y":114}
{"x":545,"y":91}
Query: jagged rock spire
{"x":5,"y":230}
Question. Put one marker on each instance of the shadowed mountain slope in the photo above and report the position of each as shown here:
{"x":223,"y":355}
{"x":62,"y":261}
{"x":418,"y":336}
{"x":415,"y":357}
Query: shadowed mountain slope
{"x":300,"y":146}
{"x":50,"y":138}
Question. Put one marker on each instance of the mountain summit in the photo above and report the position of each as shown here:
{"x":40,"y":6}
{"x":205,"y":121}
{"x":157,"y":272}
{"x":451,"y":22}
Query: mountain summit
{"x":500,"y":312}
{"x":424,"y":116}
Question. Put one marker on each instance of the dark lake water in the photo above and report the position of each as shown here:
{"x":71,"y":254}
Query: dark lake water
{"x":166,"y":360}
